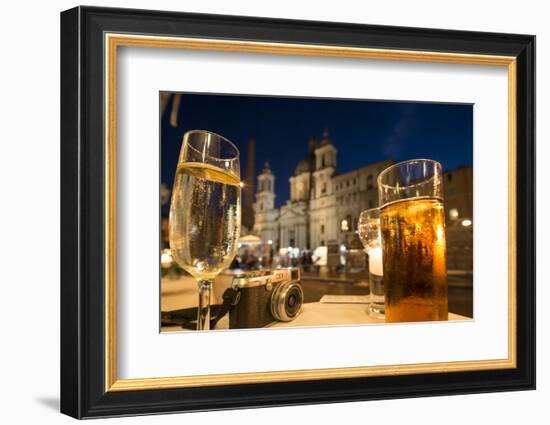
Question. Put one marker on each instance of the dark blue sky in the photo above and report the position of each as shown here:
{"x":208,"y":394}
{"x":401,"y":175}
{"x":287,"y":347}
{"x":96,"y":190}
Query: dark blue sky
{"x":363,"y":131}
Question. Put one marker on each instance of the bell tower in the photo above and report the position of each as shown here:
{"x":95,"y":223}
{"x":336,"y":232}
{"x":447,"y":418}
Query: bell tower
{"x":325,"y":166}
{"x":265,"y":194}
{"x":325,"y":154}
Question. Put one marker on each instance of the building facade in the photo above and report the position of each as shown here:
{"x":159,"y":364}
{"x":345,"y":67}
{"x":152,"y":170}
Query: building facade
{"x":458,"y":190}
{"x":459,"y":222}
{"x":324,"y":206}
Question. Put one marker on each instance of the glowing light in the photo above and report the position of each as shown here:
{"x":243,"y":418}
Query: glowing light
{"x":344,"y":226}
{"x":466,"y":223}
{"x":166,"y":259}
{"x":270,"y":242}
{"x":453,"y":213}
{"x":241,"y":184}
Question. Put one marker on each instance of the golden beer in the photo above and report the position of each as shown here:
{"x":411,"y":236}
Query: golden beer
{"x":415,"y":274}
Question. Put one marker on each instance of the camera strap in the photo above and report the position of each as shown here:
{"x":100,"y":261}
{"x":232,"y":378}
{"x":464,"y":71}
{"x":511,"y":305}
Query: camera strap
{"x":187,"y":318}
{"x":231,"y":298}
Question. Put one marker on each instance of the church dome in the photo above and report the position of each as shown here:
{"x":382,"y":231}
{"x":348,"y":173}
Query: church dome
{"x":304,"y":166}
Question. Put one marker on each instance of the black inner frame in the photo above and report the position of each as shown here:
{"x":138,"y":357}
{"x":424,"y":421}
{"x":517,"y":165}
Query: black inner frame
{"x":82,"y":212}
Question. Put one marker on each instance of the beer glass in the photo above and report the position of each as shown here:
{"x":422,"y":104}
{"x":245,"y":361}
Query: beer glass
{"x":205,"y":211}
{"x":412,"y":224}
{"x":369,"y":234}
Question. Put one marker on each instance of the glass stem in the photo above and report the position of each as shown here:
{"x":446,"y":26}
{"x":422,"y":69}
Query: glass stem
{"x":203,"y":317}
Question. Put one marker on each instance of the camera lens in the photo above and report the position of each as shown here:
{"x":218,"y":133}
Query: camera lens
{"x":286,"y":301}
{"x":291,"y":300}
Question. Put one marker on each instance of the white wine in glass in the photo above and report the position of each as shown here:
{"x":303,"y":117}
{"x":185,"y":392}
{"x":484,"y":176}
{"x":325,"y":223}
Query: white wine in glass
{"x":205,"y":212}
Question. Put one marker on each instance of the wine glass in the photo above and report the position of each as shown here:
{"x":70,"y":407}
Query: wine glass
{"x":205,"y":211}
{"x":369,"y":234}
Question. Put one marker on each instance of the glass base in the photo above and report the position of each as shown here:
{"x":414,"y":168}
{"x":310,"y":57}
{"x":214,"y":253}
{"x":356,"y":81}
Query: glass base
{"x":203,"y":316}
{"x":377,"y":310}
{"x":377,"y":299}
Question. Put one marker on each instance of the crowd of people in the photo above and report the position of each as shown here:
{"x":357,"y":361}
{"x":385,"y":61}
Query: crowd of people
{"x":251,"y":259}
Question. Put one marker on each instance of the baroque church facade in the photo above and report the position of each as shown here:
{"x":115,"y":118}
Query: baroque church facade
{"x":324,"y":205}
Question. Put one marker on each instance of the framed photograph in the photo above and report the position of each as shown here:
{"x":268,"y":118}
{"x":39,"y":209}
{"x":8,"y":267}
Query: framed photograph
{"x":261,"y":212}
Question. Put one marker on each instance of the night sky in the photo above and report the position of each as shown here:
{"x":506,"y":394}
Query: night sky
{"x":363,"y":131}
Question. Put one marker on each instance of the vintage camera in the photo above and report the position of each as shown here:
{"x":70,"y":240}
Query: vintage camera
{"x":262,"y":297}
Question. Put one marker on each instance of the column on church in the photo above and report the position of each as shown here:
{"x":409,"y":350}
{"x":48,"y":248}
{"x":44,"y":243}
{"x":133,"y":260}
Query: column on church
{"x":302,"y":237}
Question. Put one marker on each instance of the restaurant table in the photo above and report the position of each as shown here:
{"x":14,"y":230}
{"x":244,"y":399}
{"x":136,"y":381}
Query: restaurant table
{"x":329,"y":311}
{"x":324,"y":314}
